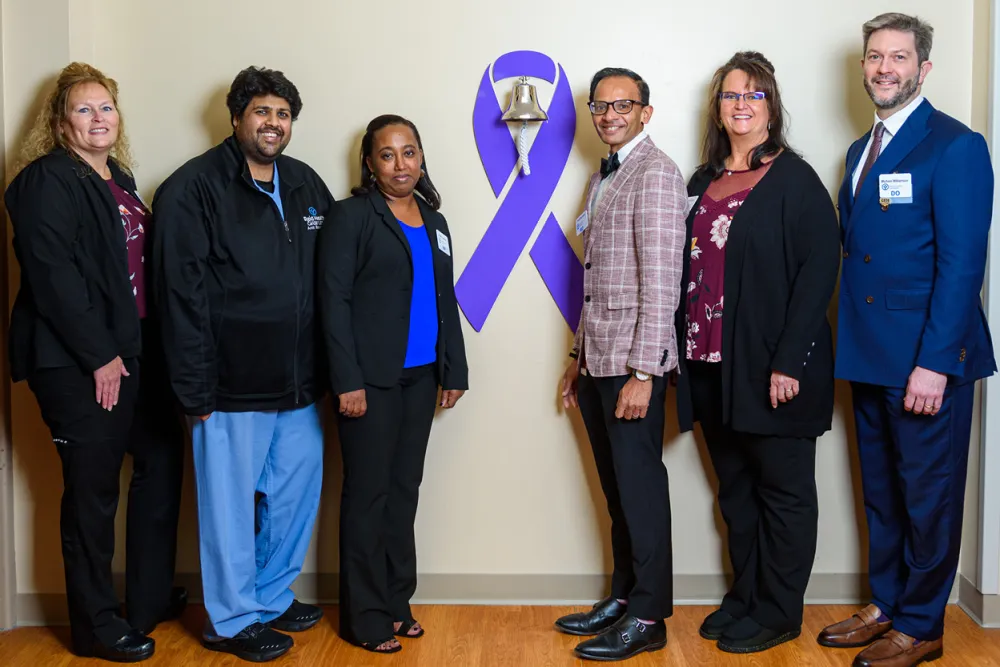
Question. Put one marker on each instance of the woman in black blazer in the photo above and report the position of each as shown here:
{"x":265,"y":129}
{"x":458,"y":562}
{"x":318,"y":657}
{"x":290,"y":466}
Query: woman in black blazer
{"x":393,"y":335}
{"x":757,"y":373}
{"x":80,"y":336}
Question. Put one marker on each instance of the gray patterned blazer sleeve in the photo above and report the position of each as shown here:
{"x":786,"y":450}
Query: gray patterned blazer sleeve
{"x":659,"y":237}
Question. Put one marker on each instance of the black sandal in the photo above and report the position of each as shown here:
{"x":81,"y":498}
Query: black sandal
{"x":374,"y":646}
{"x":405,"y":627}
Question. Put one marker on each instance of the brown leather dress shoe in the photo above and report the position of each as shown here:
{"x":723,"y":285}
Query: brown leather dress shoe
{"x":859,"y":630}
{"x":898,"y":650}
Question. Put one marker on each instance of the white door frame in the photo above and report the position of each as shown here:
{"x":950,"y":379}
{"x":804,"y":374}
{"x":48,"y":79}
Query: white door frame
{"x":989,"y":465}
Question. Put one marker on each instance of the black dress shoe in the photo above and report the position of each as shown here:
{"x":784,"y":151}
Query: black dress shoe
{"x":255,"y":643}
{"x":600,"y":617}
{"x":133,"y":647}
{"x":298,"y":617}
{"x":176,"y":607}
{"x":749,"y":636}
{"x":716,"y":623}
{"x":627,"y":637}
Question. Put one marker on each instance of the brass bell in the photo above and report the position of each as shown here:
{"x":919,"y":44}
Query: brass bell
{"x":524,"y":103}
{"x":524,"y":107}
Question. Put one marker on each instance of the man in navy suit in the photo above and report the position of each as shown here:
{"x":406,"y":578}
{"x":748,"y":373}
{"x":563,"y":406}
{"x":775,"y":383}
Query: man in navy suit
{"x":915,"y":210}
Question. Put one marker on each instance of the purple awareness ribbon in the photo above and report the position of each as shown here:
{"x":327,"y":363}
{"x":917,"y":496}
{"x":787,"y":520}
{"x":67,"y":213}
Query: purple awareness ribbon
{"x":489,"y":267}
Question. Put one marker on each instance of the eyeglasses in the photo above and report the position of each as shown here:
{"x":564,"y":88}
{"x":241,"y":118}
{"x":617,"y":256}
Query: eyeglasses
{"x":749,"y":97}
{"x":620,"y":106}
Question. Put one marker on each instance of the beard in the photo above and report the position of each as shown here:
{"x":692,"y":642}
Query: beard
{"x":259,"y":149}
{"x":907,"y":87}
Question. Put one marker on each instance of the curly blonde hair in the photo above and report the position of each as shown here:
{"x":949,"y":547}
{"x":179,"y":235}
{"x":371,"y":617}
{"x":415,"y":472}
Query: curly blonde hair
{"x":46,"y":133}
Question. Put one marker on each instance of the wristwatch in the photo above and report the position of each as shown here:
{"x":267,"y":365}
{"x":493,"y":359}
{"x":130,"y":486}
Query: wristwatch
{"x":641,"y":377}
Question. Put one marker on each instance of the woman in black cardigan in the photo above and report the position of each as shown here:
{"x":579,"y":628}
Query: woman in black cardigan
{"x":80,"y":337}
{"x":393,"y":336}
{"x":762,"y":261}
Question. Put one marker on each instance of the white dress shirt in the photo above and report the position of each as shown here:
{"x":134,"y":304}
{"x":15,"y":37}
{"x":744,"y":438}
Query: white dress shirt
{"x":892,"y":126}
{"x":623,"y":154}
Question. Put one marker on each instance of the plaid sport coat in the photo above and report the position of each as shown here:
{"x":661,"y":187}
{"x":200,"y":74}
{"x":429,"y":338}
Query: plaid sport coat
{"x":633,"y":249}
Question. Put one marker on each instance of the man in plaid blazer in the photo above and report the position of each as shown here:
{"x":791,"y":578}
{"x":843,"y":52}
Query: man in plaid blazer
{"x":633,"y":236}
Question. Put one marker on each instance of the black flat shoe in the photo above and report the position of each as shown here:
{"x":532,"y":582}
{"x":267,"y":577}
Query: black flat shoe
{"x":254,"y":643}
{"x":626,"y":638}
{"x":715,"y":624}
{"x":298,"y":617}
{"x":749,"y":636}
{"x":601,"y":616}
{"x":133,"y":647}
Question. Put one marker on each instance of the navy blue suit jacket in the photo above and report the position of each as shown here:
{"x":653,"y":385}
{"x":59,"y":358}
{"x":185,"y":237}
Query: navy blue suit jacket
{"x":911,"y":275}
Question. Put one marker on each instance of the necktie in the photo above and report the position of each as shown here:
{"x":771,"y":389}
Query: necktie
{"x":609,"y":166}
{"x":872,"y":156}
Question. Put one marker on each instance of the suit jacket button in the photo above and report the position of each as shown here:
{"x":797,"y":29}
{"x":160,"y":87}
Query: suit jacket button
{"x":868,"y":258}
{"x":846,"y":254}
{"x":869,"y":299}
{"x":961,"y":355}
{"x":587,"y":266}
{"x":587,"y":298}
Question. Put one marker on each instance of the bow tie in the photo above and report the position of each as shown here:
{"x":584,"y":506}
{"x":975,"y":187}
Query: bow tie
{"x":609,"y":166}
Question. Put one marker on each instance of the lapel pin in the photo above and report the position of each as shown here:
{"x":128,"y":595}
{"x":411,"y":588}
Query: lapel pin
{"x":884,"y":203}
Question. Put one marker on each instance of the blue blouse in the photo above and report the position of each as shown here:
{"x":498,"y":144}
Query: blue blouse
{"x":421,"y":346}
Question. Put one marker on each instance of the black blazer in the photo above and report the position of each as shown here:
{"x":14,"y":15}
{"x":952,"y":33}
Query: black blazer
{"x":782,"y":259}
{"x":365,"y":286}
{"x":75,"y":305}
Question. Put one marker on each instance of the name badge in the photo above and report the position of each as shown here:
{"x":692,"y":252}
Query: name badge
{"x":582,"y":223}
{"x":897,"y":188}
{"x":443,"y":244}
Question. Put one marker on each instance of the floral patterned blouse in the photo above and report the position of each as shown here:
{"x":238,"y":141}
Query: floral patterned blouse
{"x":709,"y":235}
{"x":135,"y":217}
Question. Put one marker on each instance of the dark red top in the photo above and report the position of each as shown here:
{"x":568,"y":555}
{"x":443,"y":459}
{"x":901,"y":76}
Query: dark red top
{"x":135,"y":218}
{"x":709,"y":234}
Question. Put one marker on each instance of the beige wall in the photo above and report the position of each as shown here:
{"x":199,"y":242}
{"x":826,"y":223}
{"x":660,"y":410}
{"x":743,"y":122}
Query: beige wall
{"x":510,"y":487}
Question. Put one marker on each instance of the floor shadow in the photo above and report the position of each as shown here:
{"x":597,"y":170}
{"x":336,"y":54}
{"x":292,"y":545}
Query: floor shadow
{"x":62,"y":635}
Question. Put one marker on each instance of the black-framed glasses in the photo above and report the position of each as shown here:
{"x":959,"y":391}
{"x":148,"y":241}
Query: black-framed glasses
{"x":620,"y":106}
{"x":749,"y":97}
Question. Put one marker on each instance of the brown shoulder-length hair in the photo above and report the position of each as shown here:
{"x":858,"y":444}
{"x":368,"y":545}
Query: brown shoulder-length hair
{"x":46,"y":132}
{"x":717,"y":147}
{"x":424,"y":186}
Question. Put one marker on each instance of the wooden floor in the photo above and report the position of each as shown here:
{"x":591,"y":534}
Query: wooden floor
{"x":477,"y":636}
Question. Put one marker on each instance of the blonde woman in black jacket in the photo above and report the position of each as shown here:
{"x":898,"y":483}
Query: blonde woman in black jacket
{"x":79,"y":335}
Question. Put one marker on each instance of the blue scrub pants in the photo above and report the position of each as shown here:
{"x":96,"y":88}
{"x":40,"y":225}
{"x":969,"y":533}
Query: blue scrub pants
{"x":258,"y":477}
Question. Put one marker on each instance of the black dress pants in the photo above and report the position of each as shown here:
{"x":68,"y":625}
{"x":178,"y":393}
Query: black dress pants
{"x":629,"y":458}
{"x":767,"y":496}
{"x":156,"y":443}
{"x":92,"y":444}
{"x":383,"y":466}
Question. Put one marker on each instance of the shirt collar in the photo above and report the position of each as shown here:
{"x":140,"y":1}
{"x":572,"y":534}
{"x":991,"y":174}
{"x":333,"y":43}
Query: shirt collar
{"x":624,"y":151}
{"x":894,"y":123}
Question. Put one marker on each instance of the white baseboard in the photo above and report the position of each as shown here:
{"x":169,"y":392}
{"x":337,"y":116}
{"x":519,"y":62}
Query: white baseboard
{"x":984,"y":609}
